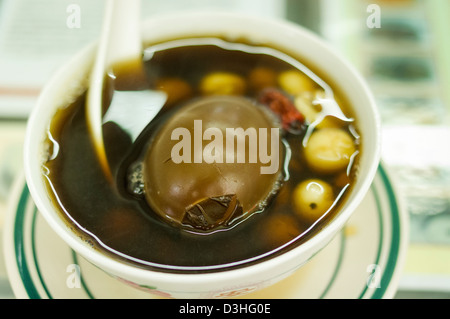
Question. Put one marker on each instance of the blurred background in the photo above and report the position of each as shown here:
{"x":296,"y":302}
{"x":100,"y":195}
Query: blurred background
{"x":401,"y":47}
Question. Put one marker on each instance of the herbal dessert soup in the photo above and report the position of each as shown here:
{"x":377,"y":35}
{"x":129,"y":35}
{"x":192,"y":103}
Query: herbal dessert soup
{"x":251,"y":154}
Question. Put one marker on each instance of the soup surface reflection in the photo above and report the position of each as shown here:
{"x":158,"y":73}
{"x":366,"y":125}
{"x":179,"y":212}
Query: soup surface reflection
{"x":182,"y":197}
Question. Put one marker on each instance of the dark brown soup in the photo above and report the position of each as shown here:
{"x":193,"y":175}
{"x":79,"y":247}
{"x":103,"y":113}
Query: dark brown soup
{"x":169,"y":209}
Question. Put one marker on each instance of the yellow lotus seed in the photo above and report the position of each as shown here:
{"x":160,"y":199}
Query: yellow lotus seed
{"x":222,"y":83}
{"x":329,"y":150}
{"x":312,"y":198}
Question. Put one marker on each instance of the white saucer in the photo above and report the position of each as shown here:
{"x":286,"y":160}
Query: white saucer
{"x":364,"y":261}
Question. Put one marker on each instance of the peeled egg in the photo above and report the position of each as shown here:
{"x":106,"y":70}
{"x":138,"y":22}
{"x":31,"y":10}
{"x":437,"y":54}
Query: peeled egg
{"x":191,"y":187}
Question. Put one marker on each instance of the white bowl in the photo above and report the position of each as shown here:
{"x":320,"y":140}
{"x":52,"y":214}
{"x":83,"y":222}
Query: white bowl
{"x":71,"y":79}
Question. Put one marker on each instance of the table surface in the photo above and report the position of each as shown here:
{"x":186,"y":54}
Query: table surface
{"x":400,"y":47}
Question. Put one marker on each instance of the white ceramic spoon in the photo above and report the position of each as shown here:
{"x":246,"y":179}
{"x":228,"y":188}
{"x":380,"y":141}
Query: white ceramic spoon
{"x":120,"y":41}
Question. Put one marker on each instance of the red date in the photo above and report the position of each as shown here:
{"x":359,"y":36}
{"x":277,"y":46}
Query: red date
{"x":291,"y":119}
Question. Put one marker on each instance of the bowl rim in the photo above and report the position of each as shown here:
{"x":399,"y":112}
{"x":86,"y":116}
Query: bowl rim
{"x":221,"y":274}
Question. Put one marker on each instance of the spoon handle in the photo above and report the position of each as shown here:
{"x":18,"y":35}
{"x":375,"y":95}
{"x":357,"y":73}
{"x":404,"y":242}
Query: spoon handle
{"x":120,"y":40}
{"x":124,"y":31}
